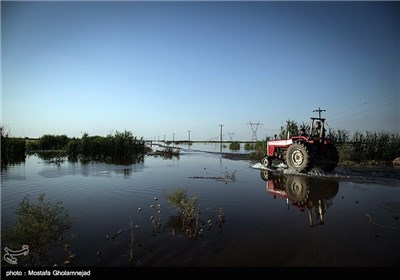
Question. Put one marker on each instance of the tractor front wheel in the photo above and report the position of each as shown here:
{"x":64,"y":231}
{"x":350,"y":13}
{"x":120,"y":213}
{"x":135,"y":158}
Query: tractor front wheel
{"x":267,"y":162}
{"x":298,"y":157}
{"x":264,"y":175}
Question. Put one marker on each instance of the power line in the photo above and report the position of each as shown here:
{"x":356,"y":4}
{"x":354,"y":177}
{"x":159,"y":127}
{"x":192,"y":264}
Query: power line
{"x":358,"y":105}
{"x":365,"y":111}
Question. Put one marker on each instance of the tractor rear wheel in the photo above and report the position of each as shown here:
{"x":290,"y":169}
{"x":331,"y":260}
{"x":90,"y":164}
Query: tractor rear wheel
{"x":298,"y":157}
{"x":297,"y":189}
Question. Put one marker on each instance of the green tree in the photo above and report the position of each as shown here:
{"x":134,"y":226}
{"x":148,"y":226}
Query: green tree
{"x":291,"y":127}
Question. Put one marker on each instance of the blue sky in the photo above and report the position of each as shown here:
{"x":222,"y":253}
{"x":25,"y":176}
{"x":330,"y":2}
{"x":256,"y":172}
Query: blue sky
{"x":163,"y":68}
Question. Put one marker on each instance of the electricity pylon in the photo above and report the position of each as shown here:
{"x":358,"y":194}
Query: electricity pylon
{"x":254,"y":127}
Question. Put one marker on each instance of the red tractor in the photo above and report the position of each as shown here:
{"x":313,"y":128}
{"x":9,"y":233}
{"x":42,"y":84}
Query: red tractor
{"x":304,"y":152}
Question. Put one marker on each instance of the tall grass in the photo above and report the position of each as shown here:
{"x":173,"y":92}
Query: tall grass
{"x":259,"y":149}
{"x":368,"y":146}
{"x":49,"y":142}
{"x":122,"y":147}
{"x":12,"y":149}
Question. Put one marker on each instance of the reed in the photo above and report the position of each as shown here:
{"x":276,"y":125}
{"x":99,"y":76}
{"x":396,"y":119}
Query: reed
{"x":52,"y":142}
{"x":122,"y":147}
{"x":380,"y":147}
{"x":12,"y":149}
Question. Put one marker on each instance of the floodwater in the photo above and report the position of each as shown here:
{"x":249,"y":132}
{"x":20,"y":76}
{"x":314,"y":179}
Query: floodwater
{"x":203,"y":147}
{"x":248,"y":217}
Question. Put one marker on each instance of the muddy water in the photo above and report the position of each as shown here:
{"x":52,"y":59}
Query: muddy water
{"x":247,"y":217}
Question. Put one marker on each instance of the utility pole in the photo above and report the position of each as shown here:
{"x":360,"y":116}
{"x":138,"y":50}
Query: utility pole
{"x":173,"y":139}
{"x":230,"y":135}
{"x":254,"y":127}
{"x":189,"y":137}
{"x":319,"y":111}
{"x":220,"y":138}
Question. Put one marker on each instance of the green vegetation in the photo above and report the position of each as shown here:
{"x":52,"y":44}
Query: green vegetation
{"x":234,"y":146}
{"x":249,"y":146}
{"x":12,"y":149}
{"x":40,"y":226}
{"x":188,"y":219}
{"x":293,"y":128}
{"x":259,"y":149}
{"x":122,"y":147}
{"x":180,"y":200}
{"x":49,"y":142}
{"x":256,"y":146}
{"x":371,"y":147}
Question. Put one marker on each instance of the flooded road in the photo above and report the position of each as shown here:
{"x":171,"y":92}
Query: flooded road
{"x":244,"y":216}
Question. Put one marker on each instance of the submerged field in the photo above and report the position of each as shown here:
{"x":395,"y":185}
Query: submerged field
{"x":121,"y":216}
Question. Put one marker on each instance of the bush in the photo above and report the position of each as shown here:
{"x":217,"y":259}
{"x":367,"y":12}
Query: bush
{"x":234,"y":146}
{"x":52,"y":142}
{"x":40,"y":226}
{"x":249,"y":146}
{"x":188,"y":219}
{"x":122,"y":147}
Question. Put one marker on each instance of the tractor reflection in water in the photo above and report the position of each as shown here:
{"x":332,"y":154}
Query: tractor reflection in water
{"x":303,"y":192}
